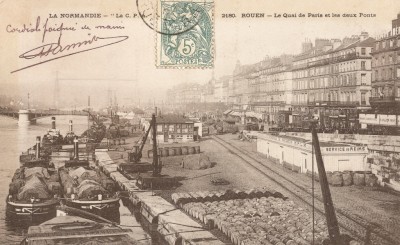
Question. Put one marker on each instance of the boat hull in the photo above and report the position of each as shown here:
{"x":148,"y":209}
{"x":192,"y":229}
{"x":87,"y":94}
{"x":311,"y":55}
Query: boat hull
{"x":34,"y":212}
{"x":108,"y":209}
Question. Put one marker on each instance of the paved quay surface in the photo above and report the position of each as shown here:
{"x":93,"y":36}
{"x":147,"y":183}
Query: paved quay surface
{"x":173,"y":224}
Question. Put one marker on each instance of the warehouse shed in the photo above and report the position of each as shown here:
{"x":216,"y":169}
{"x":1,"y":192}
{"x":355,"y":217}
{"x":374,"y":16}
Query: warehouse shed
{"x":297,"y":152}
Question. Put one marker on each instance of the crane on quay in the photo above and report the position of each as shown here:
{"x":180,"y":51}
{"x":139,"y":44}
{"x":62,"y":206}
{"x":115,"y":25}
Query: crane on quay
{"x":148,"y":175}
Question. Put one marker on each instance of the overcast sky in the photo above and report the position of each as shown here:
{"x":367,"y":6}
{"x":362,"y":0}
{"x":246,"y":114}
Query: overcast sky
{"x":129,"y":66}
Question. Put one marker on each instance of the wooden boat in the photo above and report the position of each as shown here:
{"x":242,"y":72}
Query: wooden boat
{"x":87,"y":188}
{"x":34,"y":190}
{"x":78,"y":230}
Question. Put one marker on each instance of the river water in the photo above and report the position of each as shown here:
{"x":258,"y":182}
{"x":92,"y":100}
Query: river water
{"x":15,"y":139}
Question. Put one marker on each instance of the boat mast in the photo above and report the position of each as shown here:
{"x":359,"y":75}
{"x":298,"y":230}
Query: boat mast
{"x":333,"y":227}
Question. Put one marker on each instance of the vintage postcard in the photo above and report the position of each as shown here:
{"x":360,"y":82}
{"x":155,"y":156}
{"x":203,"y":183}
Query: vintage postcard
{"x":239,"y":122}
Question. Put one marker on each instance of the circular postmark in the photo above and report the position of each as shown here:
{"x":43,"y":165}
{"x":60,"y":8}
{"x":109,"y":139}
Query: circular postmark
{"x":173,"y":19}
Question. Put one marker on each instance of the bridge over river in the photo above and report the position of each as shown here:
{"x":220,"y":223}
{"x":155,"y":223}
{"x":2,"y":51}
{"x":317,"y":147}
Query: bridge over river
{"x":30,"y":116}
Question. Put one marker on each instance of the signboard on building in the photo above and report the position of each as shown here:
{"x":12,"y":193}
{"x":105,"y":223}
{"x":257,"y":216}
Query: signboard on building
{"x":344,"y":149}
{"x":378,"y":119}
{"x":368,"y":119}
{"x":389,"y":120}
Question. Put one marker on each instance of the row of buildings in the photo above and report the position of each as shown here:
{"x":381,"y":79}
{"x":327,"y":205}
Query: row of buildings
{"x":333,"y":80}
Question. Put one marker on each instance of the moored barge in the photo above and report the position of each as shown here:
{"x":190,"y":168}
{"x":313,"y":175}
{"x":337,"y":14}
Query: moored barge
{"x":34,"y":191}
{"x":78,"y":230}
{"x":87,"y":188}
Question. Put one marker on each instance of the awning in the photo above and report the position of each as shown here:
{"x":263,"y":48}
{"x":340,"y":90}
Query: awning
{"x":227,"y":112}
{"x":254,"y":114}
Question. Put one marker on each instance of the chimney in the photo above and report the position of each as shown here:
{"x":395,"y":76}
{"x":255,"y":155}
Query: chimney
{"x":306,"y":46}
{"x":37,"y":147}
{"x":53,"y":122}
{"x":70,"y":126}
{"x":364,"y":36}
{"x":76,"y":148}
{"x":396,"y":22}
{"x":321,"y":43}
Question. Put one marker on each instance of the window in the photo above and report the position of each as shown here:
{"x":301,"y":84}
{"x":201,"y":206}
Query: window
{"x":363,"y":51}
{"x":363,"y":79}
{"x":363,"y":65}
{"x":159,"y":128}
{"x":390,"y":59}
{"x":384,"y":44}
{"x":363,"y":101}
{"x":398,"y":71}
{"x":389,"y":91}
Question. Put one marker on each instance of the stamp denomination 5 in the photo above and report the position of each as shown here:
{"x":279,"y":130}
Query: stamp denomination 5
{"x":185,"y":36}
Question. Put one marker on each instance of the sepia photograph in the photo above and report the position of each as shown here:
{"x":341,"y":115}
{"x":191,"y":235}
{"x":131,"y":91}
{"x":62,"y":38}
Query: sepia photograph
{"x":201,"y":122}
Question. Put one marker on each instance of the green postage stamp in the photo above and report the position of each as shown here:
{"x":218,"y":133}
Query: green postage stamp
{"x":186,"y":34}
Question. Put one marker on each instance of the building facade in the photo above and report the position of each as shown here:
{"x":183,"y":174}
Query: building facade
{"x":271,"y":89}
{"x":173,"y":129}
{"x":296,"y":153}
{"x":332,"y":82}
{"x":239,"y":90}
{"x":386,"y":71}
{"x":183,"y":94}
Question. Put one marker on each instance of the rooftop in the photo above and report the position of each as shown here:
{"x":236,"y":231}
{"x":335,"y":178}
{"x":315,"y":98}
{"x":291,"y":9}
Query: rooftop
{"x":308,"y":142}
{"x":171,"y":118}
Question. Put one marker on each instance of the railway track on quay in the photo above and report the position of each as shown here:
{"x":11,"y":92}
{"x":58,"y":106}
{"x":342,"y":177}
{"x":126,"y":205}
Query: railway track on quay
{"x":362,"y":230}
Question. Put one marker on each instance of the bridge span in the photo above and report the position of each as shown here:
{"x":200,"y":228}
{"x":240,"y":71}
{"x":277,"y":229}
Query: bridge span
{"x":30,"y":116}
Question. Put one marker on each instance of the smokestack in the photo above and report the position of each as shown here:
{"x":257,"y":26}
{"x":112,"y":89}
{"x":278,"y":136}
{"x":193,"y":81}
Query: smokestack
{"x":76,"y":148}
{"x":70,"y":126}
{"x":53,"y":122}
{"x":37,"y":147}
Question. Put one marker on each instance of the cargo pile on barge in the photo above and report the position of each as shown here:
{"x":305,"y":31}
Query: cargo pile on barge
{"x":34,"y":190}
{"x":86,"y":187}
